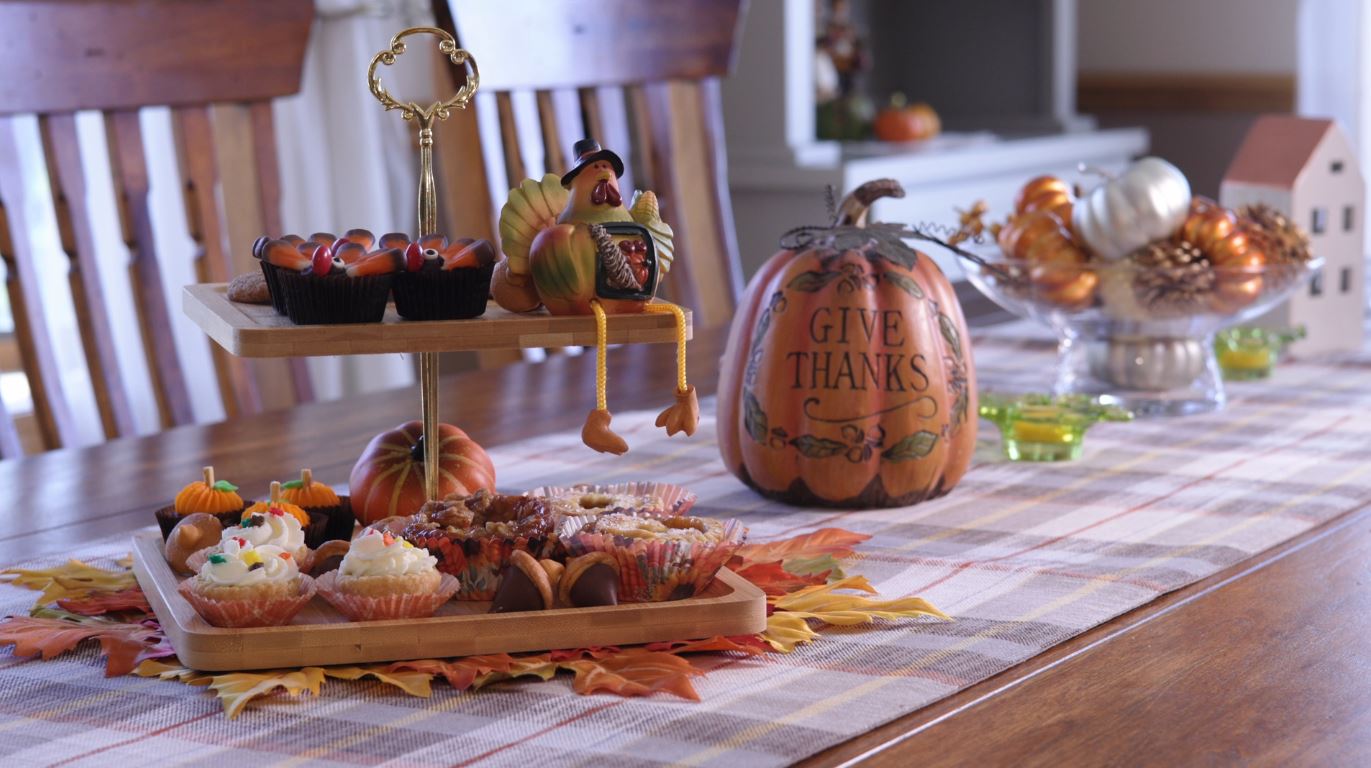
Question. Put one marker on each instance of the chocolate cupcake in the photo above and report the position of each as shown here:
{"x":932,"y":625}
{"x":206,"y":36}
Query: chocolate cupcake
{"x":329,"y":284}
{"x":323,"y":506}
{"x":213,"y":497}
{"x":444,"y":281}
{"x":474,"y":536}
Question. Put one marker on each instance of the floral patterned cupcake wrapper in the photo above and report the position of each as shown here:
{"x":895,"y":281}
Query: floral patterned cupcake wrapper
{"x":674,"y":499}
{"x":477,"y":563}
{"x":656,"y":570}
{"x":248,"y":613}
{"x":369,"y":608}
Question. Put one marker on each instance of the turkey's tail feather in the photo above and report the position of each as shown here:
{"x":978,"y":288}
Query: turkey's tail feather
{"x":644,"y":210}
{"x":532,"y":206}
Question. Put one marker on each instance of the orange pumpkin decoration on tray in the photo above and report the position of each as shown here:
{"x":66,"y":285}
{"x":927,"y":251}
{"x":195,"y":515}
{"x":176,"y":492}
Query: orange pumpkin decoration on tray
{"x":388,"y":478}
{"x":847,"y":380}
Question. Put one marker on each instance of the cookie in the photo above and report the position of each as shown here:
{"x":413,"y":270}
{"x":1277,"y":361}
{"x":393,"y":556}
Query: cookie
{"x":249,"y":288}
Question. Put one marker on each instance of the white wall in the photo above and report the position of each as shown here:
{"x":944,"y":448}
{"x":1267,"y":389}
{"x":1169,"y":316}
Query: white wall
{"x":1211,"y":36}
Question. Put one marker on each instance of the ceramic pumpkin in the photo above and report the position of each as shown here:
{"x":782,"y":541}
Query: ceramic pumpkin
{"x":388,"y":478}
{"x":847,"y":380}
{"x":1148,"y":201}
{"x":902,"y":121}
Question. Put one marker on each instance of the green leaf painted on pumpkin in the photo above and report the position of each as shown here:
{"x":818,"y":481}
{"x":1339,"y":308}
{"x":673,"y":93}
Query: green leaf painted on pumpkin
{"x":810,"y":282}
{"x":915,"y":446}
{"x":950,"y":332}
{"x":293,"y":484}
{"x":754,"y":419}
{"x":904,"y":283}
{"x":224,"y":486}
{"x":813,"y":447}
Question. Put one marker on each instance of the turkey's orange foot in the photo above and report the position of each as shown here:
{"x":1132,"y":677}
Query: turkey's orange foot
{"x":683,"y":415}
{"x":597,"y":434}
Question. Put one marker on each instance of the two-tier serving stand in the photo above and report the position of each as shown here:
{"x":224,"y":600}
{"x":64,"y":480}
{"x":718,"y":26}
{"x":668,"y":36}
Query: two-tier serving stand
{"x":731,"y":606}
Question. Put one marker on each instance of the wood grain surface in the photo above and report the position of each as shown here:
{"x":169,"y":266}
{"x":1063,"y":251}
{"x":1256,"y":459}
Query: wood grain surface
{"x":1265,"y":663}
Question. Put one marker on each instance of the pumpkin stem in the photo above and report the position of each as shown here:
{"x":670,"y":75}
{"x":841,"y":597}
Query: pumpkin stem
{"x":1094,"y":170}
{"x":852,"y":210}
{"x":416,"y":452}
{"x":306,"y":478}
{"x":209,"y":476}
{"x":275,"y":492}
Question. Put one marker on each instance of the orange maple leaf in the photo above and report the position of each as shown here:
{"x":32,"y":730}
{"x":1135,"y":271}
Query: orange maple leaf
{"x":111,"y":602}
{"x":825,"y":541}
{"x":773,"y":579}
{"x":124,"y":646}
{"x":750,"y":645}
{"x":477,"y":671}
{"x":635,"y":672}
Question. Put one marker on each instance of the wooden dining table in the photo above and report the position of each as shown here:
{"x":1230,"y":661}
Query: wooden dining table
{"x":1266,"y":662}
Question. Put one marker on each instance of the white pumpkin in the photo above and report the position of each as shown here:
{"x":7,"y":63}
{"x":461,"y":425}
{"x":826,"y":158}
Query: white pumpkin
{"x":1149,"y":201}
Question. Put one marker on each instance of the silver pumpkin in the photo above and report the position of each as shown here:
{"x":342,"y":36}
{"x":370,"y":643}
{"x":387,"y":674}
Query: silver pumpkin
{"x":1151,"y":364}
{"x":1147,"y":202}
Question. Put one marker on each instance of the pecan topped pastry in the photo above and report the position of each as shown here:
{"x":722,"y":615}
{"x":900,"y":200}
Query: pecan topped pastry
{"x":474,"y":536}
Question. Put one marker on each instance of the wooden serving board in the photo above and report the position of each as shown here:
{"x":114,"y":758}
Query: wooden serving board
{"x":255,"y":330}
{"x":320,"y":636}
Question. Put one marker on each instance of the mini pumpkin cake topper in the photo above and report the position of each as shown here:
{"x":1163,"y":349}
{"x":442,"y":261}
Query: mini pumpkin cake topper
{"x":572,"y":246}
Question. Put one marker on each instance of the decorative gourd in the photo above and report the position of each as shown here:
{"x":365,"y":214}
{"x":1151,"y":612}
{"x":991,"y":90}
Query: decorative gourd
{"x":1050,"y":193}
{"x":902,"y":121}
{"x":847,"y":380}
{"x":1149,"y":201}
{"x":388,"y":478}
{"x":1059,"y":272}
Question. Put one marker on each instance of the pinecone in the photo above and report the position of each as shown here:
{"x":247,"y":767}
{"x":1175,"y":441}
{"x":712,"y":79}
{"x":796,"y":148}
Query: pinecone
{"x":1173,"y":279}
{"x":618,"y":273}
{"x":1288,"y":244}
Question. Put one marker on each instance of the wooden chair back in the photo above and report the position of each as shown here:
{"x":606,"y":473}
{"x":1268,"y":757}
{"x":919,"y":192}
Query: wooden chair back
{"x":217,"y":66}
{"x":642,"y":78}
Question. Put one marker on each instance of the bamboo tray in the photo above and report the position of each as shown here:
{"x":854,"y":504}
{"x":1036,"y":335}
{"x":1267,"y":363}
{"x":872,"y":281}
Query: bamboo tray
{"x":319,"y":636}
{"x":255,"y":330}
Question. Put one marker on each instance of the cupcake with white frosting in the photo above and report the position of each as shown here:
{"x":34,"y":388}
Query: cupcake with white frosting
{"x":385,"y":577}
{"x":243,"y":585}
{"x":274,"y":528}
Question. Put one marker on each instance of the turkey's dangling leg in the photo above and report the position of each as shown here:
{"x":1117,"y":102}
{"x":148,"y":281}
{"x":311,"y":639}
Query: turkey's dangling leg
{"x":596,"y":432}
{"x":684,"y":414}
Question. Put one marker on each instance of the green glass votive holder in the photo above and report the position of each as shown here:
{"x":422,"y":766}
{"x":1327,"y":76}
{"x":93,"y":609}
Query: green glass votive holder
{"x":1036,"y":427}
{"x":1246,"y":353}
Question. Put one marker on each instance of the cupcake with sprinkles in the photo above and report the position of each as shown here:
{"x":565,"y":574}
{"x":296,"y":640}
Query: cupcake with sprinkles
{"x":320,"y":502}
{"x":275,"y":527}
{"x":209,"y":495}
{"x":313,"y":527}
{"x":247,"y":586}
{"x":385,"y":577}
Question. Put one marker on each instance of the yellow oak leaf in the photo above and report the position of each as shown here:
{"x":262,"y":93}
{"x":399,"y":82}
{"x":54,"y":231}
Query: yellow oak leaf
{"x":236,"y":689}
{"x":72,"y":580}
{"x":787,"y":626}
{"x":411,"y":681}
{"x":172,"y":670}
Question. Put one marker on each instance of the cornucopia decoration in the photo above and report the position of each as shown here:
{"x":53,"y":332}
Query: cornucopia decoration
{"x":572,"y":246}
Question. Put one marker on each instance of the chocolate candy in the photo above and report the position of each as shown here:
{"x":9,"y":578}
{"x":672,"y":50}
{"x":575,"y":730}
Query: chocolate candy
{"x":524,"y":586}
{"x":591,"y":579}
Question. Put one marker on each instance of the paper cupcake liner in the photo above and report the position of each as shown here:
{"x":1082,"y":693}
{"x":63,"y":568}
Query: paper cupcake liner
{"x":454,"y":294}
{"x":278,"y":297}
{"x":341,"y":521}
{"x":167,"y":518}
{"x":332,"y":299}
{"x":656,"y":570}
{"x":674,"y":499}
{"x":368,"y":608}
{"x":248,"y":613}
{"x":197,"y":559}
{"x":477,"y":563}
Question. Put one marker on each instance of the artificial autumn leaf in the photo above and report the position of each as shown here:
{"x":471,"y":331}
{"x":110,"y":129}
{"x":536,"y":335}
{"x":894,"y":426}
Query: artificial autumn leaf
{"x":773,"y":579}
{"x":750,"y":645}
{"x":236,"y":689}
{"x":107,"y":602}
{"x":810,"y":566}
{"x":413,"y":682}
{"x":74,"y":579}
{"x":784,"y":627}
{"x":163,"y":670}
{"x":635,"y":672}
{"x":123,"y":645}
{"x":574,"y":654}
{"x":825,"y":541}
{"x":479,"y":671}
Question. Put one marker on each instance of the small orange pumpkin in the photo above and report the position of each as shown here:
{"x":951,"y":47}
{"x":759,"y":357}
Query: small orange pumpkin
{"x":388,"y":478}
{"x":901,"y":121}
{"x":208,"y":495}
{"x":847,"y":380}
{"x":308,"y":493}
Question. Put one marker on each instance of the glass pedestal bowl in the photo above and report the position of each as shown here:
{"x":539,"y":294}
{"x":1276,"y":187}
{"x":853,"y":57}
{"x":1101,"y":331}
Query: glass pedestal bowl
{"x":1141,"y":338}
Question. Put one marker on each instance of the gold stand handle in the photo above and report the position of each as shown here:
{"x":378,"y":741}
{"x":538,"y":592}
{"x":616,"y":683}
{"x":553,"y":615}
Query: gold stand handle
{"x":428,"y":201}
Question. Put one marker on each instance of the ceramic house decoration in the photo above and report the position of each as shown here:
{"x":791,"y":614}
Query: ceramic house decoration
{"x":1306,"y":169}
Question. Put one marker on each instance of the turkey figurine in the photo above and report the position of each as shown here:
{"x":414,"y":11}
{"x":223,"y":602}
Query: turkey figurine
{"x":572,"y":246}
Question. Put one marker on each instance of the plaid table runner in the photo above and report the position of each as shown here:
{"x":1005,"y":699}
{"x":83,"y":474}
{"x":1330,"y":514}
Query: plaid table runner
{"x":1024,"y":556}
